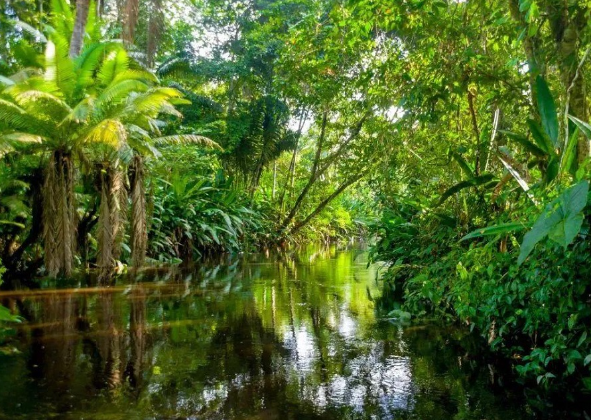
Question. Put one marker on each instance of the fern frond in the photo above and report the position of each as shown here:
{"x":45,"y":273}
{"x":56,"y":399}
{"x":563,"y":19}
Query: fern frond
{"x":141,"y":75}
{"x":117,"y":94}
{"x":81,"y":112}
{"x":9,"y":141}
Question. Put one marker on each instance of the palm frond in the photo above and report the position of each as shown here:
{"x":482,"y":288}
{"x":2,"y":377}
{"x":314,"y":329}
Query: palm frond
{"x":25,"y":27}
{"x":108,"y":132}
{"x":59,"y":67}
{"x":62,"y":17}
{"x":88,"y":62}
{"x":81,"y":112}
{"x":116,"y":62}
{"x":16,"y":118}
{"x":43,"y":103}
{"x":186,"y":139}
{"x":9,"y":141}
{"x":141,"y":75}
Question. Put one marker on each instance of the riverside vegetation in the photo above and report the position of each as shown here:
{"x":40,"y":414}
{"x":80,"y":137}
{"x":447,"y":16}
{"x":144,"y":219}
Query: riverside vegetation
{"x":454,"y":134}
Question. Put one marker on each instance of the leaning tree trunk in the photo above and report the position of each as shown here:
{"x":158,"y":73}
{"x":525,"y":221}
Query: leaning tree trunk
{"x":77,"y":40}
{"x":139,"y":231}
{"x":59,"y":214}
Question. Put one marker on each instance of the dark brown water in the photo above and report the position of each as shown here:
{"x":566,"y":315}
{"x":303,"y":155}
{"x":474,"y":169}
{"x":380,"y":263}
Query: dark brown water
{"x":282,"y":337}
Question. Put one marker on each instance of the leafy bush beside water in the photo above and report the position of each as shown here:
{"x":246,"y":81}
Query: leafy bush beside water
{"x":537,"y":313}
{"x":528,"y":296}
{"x":6,"y":317}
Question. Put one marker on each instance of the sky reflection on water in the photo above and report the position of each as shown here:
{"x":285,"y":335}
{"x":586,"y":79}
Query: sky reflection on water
{"x":291,"y":336}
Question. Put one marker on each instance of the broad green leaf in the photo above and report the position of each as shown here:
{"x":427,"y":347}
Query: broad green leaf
{"x":547,"y":110}
{"x":552,"y":170}
{"x":479,"y":180}
{"x":540,"y":137}
{"x":525,"y":142}
{"x":572,"y":202}
{"x":495,"y":230}
{"x":569,"y":154}
{"x":561,"y":220}
{"x":582,"y":125}
{"x":468,"y":171}
{"x":7,"y":316}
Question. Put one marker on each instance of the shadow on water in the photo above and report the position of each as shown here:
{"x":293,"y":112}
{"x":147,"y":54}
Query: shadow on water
{"x":284,"y":336}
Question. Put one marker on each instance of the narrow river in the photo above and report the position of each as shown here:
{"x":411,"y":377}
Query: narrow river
{"x":292,"y":336}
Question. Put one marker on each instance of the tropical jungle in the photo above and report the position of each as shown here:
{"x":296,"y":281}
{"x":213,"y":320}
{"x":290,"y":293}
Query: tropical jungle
{"x":295,"y":209}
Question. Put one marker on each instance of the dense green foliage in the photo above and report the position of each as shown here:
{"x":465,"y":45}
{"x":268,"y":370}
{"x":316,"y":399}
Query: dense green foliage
{"x":485,"y":216}
{"x":457,"y":130}
{"x":103,"y":143}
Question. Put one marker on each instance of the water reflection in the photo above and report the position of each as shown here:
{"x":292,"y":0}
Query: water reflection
{"x":289,"y":336}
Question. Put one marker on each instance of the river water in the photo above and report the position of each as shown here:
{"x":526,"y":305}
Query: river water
{"x":287,"y":336}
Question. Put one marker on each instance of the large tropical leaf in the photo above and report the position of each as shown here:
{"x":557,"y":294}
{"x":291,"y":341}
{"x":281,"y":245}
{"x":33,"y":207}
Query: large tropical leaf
{"x":547,"y":110}
{"x":526,"y":143}
{"x":474,"y":182}
{"x":561,"y":220}
{"x":582,"y":125}
{"x":468,"y":171}
{"x":569,"y":154}
{"x":495,"y":230}
{"x":541,"y":138}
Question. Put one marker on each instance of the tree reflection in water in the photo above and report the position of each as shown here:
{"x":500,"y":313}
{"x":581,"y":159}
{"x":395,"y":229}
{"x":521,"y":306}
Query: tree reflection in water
{"x":289,"y":336}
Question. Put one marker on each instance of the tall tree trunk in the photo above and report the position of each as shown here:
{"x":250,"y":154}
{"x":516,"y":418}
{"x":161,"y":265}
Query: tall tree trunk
{"x":566,"y":22}
{"x":110,"y":222}
{"x":130,"y":16}
{"x":139,"y":231}
{"x":100,"y":8}
{"x":59,"y":214}
{"x":77,"y":41}
{"x":472,"y":108}
{"x":531,"y":46}
{"x":292,"y":166}
{"x":154,"y":32}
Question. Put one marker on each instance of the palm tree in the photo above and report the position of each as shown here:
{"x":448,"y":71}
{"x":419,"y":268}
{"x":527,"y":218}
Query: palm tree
{"x":76,"y":109}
